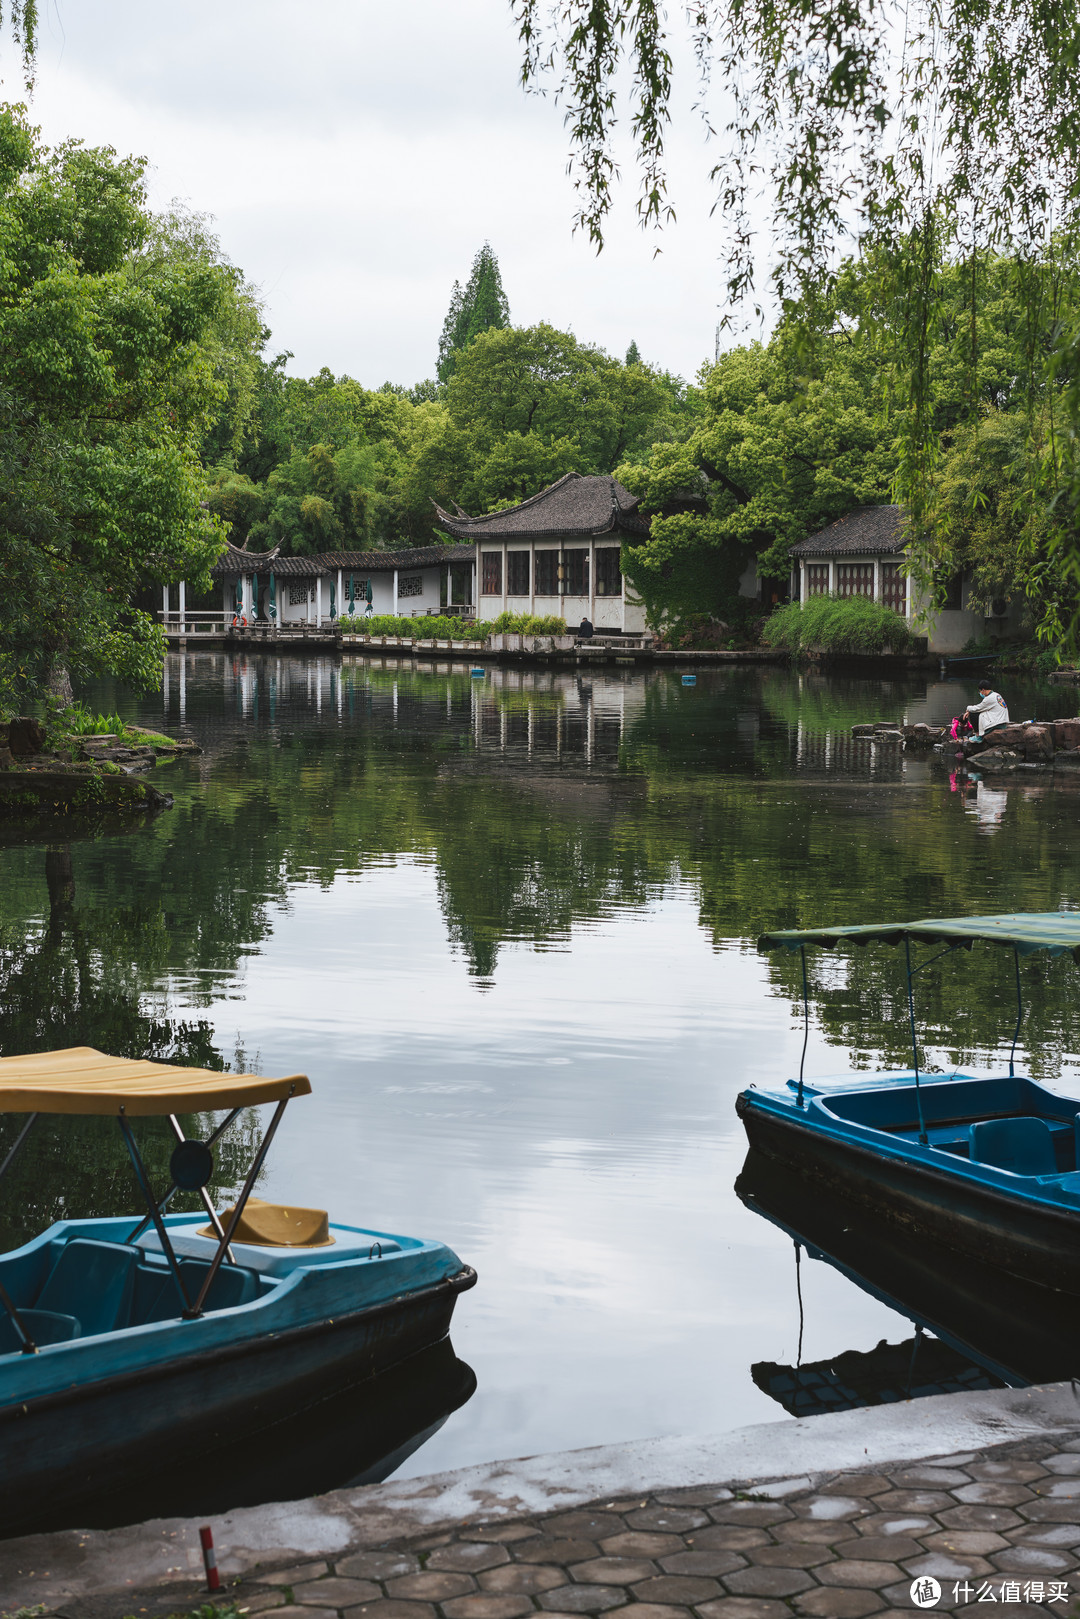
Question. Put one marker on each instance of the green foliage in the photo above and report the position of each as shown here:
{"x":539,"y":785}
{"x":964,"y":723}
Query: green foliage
{"x":123,"y":340}
{"x":480,"y":307}
{"x":445,"y":628}
{"x":80,"y":722}
{"x":837,"y":625}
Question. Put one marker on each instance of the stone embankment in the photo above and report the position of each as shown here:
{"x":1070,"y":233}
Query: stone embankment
{"x":83,"y":772}
{"x":1054,"y":745}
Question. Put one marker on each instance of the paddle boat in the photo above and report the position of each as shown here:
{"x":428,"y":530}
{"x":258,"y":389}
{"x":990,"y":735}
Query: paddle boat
{"x":987,"y":1166}
{"x":135,"y":1345}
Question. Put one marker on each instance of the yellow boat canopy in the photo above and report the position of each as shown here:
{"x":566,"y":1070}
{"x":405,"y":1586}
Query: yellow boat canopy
{"x":83,"y":1080}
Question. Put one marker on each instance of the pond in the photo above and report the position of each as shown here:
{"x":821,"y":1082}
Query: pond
{"x":507,"y":924}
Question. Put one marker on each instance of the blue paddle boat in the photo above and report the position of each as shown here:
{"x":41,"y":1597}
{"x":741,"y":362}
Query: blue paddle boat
{"x":135,"y":1345}
{"x":989,"y":1167}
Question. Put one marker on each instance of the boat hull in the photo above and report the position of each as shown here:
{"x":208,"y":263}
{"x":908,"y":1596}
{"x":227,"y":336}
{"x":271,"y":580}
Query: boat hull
{"x":1038,"y":1243}
{"x":70,"y":1456}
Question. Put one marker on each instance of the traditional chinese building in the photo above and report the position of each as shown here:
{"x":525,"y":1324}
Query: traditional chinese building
{"x":557,"y":552}
{"x":865,"y":554}
{"x":265,"y":587}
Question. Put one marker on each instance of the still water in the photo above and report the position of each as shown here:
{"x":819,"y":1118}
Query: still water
{"x":508,"y":926}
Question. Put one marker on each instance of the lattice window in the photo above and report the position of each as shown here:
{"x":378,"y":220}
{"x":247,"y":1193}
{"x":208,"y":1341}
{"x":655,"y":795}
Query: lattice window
{"x":575,"y":573}
{"x":855,"y":579}
{"x":301,"y":594}
{"x":608,"y":572}
{"x":491,"y":573}
{"x":894,"y":588}
{"x":547,"y":573}
{"x":517,"y":573}
{"x":817,"y":578}
{"x":410,"y":584}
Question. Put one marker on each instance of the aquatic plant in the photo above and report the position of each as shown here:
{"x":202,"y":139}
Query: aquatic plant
{"x":836,"y":624}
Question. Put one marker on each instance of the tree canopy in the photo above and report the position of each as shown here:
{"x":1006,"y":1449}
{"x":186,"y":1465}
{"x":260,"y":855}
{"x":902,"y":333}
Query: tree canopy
{"x":479,"y":307}
{"x":124,"y":339}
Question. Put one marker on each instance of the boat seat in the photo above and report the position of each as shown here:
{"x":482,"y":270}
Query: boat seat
{"x":233,"y":1284}
{"x":44,"y":1326}
{"x":1024,"y":1146}
{"x":92,"y":1281}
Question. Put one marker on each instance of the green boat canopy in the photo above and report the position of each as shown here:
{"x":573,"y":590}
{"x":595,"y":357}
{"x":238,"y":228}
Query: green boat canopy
{"x":1056,"y":932}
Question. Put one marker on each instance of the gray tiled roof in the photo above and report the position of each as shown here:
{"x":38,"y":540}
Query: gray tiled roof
{"x":575,"y":505}
{"x":236,"y":561}
{"x":867,"y":531}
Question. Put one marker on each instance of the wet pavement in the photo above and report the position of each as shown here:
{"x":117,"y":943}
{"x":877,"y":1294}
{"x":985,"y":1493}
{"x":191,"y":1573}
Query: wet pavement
{"x":996,"y":1527}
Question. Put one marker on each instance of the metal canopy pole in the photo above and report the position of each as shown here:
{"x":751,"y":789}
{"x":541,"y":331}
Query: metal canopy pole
{"x":204,"y":1195}
{"x":923,"y":1138}
{"x":196,"y":1309}
{"x":26,"y":1343}
{"x":806,"y":1028}
{"x":1019,"y":1011}
{"x":155,"y":1212}
{"x":173,"y":1189}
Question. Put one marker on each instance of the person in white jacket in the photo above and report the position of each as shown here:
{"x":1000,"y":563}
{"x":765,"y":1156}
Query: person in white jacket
{"x":991,"y":710}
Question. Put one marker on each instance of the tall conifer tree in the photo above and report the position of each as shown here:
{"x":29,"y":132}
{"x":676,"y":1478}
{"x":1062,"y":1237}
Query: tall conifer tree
{"x":477,"y":309}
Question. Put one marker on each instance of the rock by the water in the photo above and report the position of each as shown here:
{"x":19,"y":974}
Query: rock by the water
{"x":997,"y":759}
{"x":25,"y":736}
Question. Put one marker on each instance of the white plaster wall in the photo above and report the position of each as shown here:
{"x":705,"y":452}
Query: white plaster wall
{"x":287,"y":614}
{"x":412,"y":606}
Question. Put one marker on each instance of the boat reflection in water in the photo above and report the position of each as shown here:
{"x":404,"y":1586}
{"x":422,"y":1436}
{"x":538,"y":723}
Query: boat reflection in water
{"x":357,"y":1435}
{"x":990,"y":1330}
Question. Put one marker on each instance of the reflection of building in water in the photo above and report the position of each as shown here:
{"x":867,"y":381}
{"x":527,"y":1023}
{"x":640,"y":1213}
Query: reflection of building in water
{"x":545,"y":716}
{"x":837,"y":750}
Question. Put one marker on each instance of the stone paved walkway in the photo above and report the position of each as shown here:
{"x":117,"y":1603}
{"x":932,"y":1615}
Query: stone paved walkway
{"x":999,"y":1530}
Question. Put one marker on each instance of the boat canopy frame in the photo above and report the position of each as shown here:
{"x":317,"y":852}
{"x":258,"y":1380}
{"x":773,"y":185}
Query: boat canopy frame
{"x":1057,"y":933}
{"x":84,"y":1082}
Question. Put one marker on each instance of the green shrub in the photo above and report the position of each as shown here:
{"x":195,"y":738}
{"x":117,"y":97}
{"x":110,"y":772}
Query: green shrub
{"x":838,"y":624}
{"x":451,"y":629}
{"x":78,"y":721}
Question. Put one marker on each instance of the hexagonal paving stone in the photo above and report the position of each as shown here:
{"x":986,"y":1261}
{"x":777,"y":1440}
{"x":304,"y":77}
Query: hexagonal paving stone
{"x":856,"y":1484}
{"x":392,"y":1610}
{"x":965,"y":1542}
{"x":768,"y":1582}
{"x":584,"y":1525}
{"x":736,"y":1536}
{"x":486,"y":1605}
{"x":971,"y":1516}
{"x":1049,"y":1511}
{"x":993,"y":1493}
{"x":583,"y":1598}
{"x":432,"y":1585}
{"x":893,"y":1523}
{"x":805,"y":1533}
{"x":762,"y":1514}
{"x":1016,"y":1472}
{"x":1046,"y":1534}
{"x":611,"y":1571}
{"x":678,"y":1589}
{"x":659,"y":1610}
{"x":554,"y":1549}
{"x":830,"y":1508}
{"x":295,"y":1574}
{"x":791,"y":1554}
{"x":882,"y":1548}
{"x":639,"y":1543}
{"x":831,"y":1602}
{"x":293,"y":1612}
{"x":868,"y":1575}
{"x":378,"y":1565}
{"x":706,"y":1562}
{"x":926,"y":1477}
{"x":669,"y":1520}
{"x":1064,"y":1462}
{"x":923,"y":1501}
{"x":1033,"y":1561}
{"x":746,"y":1608}
{"x":263,"y":1601}
{"x":504,"y":1533}
{"x":335,"y":1593}
{"x":468,"y":1556}
{"x":522,"y":1579}
{"x":945,"y":1566}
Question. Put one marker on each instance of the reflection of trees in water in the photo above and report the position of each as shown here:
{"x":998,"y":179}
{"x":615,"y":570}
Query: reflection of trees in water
{"x":76,"y":981}
{"x":700,"y":787}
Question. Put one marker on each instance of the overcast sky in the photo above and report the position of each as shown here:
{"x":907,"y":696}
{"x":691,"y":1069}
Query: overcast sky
{"x":356,"y":153}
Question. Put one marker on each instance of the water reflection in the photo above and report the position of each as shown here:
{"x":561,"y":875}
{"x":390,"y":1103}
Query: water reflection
{"x":991,"y":1329}
{"x":508,"y":926}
